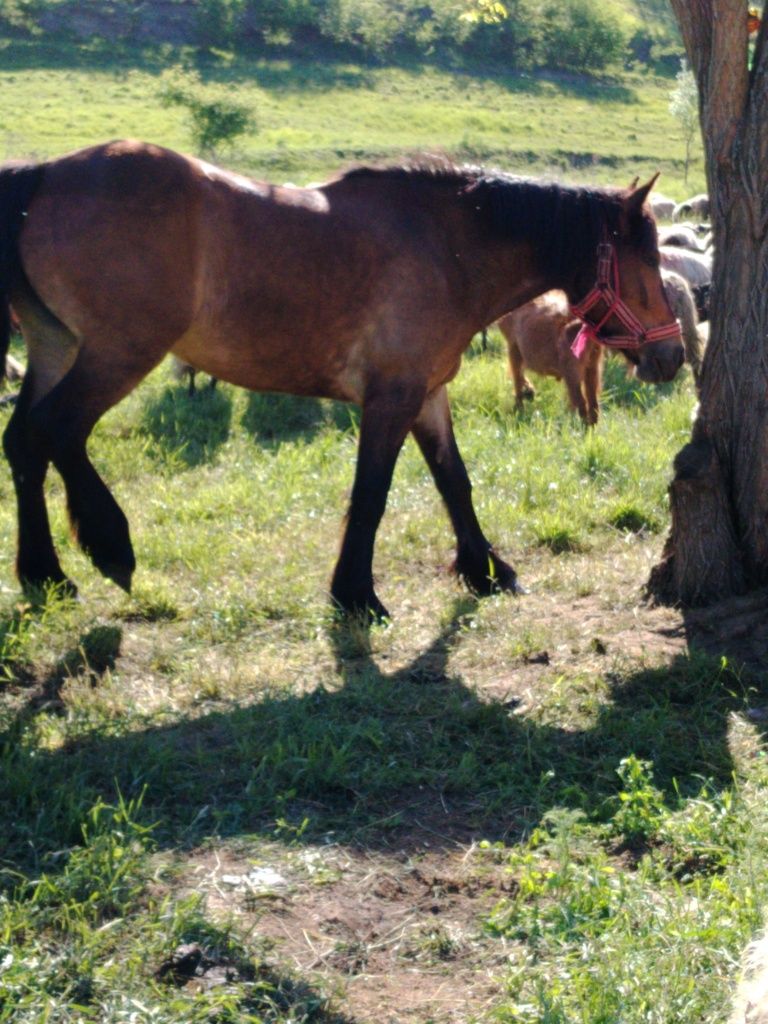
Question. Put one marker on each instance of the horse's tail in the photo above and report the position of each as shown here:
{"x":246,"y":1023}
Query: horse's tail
{"x":18,"y":184}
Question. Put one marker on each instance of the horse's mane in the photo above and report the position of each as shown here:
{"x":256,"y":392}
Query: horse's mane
{"x":567,"y":222}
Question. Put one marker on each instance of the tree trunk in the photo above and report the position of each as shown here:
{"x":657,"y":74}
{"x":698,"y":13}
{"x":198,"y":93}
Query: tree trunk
{"x":718,"y":544}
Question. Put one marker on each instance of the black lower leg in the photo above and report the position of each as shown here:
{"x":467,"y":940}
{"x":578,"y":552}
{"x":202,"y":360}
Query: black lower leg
{"x":36,"y":561}
{"x":476,"y":561}
{"x":387,"y":418}
{"x":98,"y":523}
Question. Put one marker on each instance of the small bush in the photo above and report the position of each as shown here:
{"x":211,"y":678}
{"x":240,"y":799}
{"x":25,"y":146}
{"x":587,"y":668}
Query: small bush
{"x":213,"y":120}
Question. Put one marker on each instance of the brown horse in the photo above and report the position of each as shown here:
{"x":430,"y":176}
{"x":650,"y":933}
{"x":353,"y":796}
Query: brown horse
{"x":367,"y":289}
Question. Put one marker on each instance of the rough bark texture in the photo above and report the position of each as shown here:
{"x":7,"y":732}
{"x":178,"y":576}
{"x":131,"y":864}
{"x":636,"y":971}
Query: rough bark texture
{"x":718,"y":545}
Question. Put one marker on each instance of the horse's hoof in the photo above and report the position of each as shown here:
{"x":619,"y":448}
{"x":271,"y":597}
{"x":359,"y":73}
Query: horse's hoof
{"x":493,"y":576}
{"x":370,"y":609}
{"x":122,"y":575}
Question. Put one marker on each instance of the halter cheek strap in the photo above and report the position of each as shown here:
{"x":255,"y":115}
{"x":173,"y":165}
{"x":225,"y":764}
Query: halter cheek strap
{"x":609,"y":292}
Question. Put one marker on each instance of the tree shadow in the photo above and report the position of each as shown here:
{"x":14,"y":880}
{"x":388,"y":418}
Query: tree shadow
{"x":296,"y":68}
{"x":287,"y":74}
{"x":189,"y":427}
{"x":381,"y":758}
{"x":735,"y":629}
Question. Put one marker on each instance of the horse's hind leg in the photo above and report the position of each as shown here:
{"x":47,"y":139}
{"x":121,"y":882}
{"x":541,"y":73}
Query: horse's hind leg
{"x":476,"y":561}
{"x":388,"y":414}
{"x":62,"y":421}
{"x":36,"y":560}
{"x":523,"y":387}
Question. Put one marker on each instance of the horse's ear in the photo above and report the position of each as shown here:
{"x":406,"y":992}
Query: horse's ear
{"x":633,"y":183}
{"x":633,"y":201}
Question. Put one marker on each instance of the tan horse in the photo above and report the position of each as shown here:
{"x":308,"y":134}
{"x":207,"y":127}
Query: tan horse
{"x":539,"y":337}
{"x":367,"y":289}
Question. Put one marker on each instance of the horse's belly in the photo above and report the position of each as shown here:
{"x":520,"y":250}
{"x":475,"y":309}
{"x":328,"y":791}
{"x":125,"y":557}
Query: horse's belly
{"x":288,"y":365}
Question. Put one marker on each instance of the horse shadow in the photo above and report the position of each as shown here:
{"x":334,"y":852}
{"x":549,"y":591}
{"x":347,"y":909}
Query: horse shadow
{"x":190,"y":428}
{"x":271,"y":418}
{"x":379,"y":758}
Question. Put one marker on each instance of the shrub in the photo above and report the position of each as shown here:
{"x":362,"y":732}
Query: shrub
{"x":581,"y":35}
{"x":213,"y":119}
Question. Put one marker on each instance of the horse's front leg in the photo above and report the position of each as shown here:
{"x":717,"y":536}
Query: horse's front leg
{"x":476,"y":561}
{"x":389,"y":411}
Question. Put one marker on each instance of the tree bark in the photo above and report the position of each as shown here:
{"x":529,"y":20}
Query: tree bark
{"x":718,"y":543}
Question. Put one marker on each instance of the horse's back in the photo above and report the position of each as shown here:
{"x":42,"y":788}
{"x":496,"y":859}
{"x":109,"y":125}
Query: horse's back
{"x":134,"y":248}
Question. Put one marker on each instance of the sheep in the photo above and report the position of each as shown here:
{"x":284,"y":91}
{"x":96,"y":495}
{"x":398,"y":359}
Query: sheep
{"x":751,"y":1002}
{"x":695,"y":267}
{"x":662,"y":206}
{"x":539,"y":335}
{"x":683,"y":236}
{"x":696,"y":206}
{"x":682,"y":304}
{"x":701,"y":298}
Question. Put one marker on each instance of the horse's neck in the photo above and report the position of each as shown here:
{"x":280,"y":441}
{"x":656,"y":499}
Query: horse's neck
{"x":512,"y":278}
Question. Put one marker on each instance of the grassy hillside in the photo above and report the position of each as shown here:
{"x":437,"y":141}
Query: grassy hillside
{"x":313,"y":117}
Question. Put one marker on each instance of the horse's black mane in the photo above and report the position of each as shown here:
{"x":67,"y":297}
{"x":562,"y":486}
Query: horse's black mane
{"x":566,"y":222}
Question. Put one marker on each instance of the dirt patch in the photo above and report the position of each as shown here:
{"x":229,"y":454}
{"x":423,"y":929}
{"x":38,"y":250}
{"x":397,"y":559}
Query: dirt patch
{"x":397,"y":934}
{"x":398,"y":938}
{"x":736,"y":628}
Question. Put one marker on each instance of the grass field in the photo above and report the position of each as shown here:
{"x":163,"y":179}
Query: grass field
{"x":312,"y":118}
{"x":220,"y":803}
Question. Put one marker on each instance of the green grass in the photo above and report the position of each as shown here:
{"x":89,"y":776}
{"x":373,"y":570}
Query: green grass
{"x":222,"y":704}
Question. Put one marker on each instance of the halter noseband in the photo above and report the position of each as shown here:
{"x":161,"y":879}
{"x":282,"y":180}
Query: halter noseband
{"x":610,"y":294}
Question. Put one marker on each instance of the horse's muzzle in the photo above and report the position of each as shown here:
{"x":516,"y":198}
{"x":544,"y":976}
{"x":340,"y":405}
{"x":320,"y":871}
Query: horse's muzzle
{"x":659,"y":362}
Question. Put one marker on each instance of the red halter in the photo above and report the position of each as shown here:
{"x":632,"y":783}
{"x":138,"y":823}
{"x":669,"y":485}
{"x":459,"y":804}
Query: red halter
{"x":610,"y":294}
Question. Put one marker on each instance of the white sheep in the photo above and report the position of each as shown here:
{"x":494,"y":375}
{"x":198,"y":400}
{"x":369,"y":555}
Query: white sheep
{"x":661,"y":205}
{"x":682,"y":303}
{"x":695,"y":267}
{"x":751,"y":1002}
{"x":683,"y":236}
{"x":696,"y":206}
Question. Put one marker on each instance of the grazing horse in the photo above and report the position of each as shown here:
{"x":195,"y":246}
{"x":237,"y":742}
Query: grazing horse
{"x":540,"y":337}
{"x":367,"y":289}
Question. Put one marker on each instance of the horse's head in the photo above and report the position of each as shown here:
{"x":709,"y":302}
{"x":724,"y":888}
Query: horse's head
{"x":627,"y":307}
